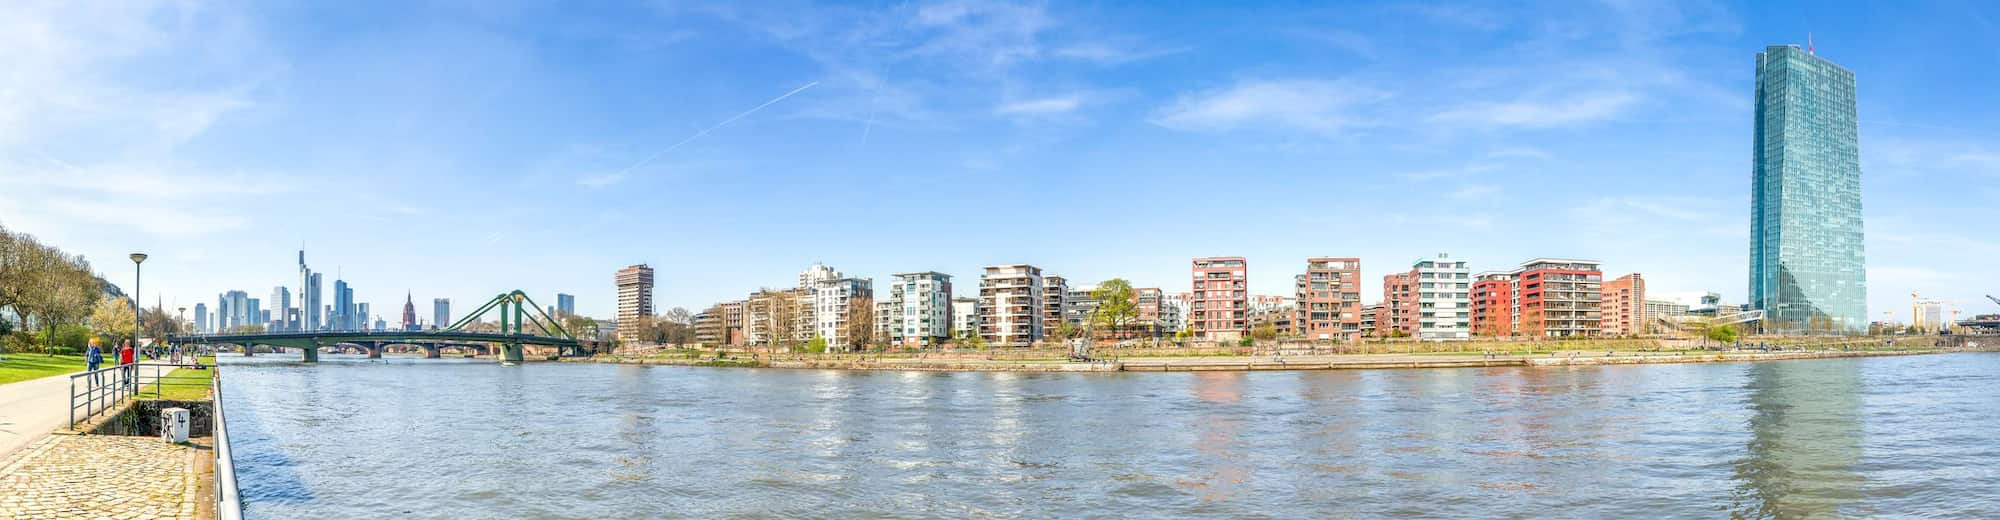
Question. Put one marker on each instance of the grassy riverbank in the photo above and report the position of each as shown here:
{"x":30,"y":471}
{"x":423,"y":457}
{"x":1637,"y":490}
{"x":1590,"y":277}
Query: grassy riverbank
{"x":22,"y":367}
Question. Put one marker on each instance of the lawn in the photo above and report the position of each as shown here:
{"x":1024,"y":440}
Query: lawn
{"x":183,"y":384}
{"x":22,"y":367}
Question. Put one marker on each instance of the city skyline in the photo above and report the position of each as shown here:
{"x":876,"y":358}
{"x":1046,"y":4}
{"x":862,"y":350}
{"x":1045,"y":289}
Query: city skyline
{"x":1627,"y":123}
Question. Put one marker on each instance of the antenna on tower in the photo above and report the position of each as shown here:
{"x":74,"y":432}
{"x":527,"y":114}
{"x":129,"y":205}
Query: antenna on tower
{"x":1809,"y":44}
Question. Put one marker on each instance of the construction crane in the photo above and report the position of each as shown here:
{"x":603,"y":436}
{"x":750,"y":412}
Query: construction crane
{"x":1996,"y":301}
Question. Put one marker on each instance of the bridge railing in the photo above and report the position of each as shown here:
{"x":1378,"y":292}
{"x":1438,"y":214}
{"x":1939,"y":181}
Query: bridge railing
{"x":96,"y":391}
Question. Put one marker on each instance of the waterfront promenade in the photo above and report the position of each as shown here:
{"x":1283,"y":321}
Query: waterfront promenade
{"x":102,"y":476}
{"x":30,"y":409}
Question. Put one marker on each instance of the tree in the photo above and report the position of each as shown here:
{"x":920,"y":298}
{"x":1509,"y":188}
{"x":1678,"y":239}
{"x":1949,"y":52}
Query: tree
{"x":817,"y":345}
{"x":254,"y":328}
{"x":1117,"y":305}
{"x":1064,"y":330}
{"x":112,"y":319}
{"x":1264,"y":331}
{"x":156,"y":323}
{"x":860,"y":329}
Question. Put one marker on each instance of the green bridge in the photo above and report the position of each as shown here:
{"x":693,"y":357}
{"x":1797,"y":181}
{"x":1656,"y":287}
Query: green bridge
{"x":516,"y":311}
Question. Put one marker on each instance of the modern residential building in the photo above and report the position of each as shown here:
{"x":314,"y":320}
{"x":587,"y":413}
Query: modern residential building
{"x":1807,"y":265}
{"x":708,"y":329}
{"x":1396,"y":315}
{"x":440,"y":313}
{"x":1657,"y":310}
{"x":1544,"y":298}
{"x":1175,"y":310}
{"x":565,"y":305}
{"x":635,"y":299}
{"x":732,"y":322}
{"x":1152,"y":306}
{"x":1329,"y":299}
{"x":964,"y":317}
{"x":1279,"y":317}
{"x":839,"y":312}
{"x":1368,"y":315}
{"x":1055,"y":303}
{"x":1623,"y":306}
{"x":773,"y":317}
{"x":917,"y":310}
{"x":1010,"y":305}
{"x":1078,"y":304}
{"x":1433,"y":301}
{"x":1220,"y":304}
{"x":1493,"y":304}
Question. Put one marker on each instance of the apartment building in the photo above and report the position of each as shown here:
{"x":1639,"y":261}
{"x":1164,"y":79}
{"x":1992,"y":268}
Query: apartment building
{"x":1175,"y":309}
{"x":1011,"y":309}
{"x":772,"y":317}
{"x":1558,"y":298}
{"x":916,"y":311}
{"x":708,"y":326}
{"x":1622,"y":306}
{"x":1396,"y":315}
{"x":1220,"y":300}
{"x":1329,"y":299}
{"x":838,"y":306}
{"x":1368,"y":315}
{"x":732,"y":322}
{"x":964,"y":317}
{"x":1149,"y":302}
{"x":1055,"y":303}
{"x":1493,"y":304}
{"x":1433,"y":301}
{"x":635,"y":299}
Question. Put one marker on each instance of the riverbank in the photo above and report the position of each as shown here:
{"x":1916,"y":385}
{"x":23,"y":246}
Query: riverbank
{"x":1251,"y":362}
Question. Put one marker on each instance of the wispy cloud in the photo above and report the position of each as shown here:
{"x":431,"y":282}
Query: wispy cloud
{"x":1538,"y":113}
{"x":1320,"y":106}
{"x":1041,"y":106}
{"x":600,"y":180}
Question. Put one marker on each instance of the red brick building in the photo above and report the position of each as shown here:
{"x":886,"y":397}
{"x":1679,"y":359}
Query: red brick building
{"x":1219,"y":305}
{"x":1493,"y":304}
{"x":1399,"y":305}
{"x":1329,"y":299}
{"x":1623,"y":306}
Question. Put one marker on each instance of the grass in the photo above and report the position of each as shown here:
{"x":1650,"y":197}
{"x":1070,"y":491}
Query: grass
{"x":22,"y":367}
{"x":182,"y":384}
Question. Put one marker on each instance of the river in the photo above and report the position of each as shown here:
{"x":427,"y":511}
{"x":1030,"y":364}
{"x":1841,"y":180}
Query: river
{"x":428,"y":438}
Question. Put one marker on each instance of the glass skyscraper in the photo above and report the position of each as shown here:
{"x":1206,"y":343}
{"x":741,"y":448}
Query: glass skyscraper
{"x":1806,"y":262}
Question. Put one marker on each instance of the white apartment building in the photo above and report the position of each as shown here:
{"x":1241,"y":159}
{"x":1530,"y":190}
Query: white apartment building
{"x":1010,"y":305}
{"x":1055,"y":302}
{"x":916,"y":311}
{"x":1444,"y":299}
{"x":964,"y":317}
{"x":834,"y":304}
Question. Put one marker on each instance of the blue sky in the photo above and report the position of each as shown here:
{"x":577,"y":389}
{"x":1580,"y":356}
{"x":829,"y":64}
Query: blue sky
{"x":460,"y":149}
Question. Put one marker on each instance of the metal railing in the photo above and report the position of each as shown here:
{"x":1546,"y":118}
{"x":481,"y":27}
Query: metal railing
{"x":97,"y":391}
{"x":228,"y":505}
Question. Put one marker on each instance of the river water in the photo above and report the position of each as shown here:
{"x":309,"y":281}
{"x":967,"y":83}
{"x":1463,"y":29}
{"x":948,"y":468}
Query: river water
{"x":354,"y":438}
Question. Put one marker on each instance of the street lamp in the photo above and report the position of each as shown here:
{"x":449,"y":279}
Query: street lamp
{"x":137,"y":258}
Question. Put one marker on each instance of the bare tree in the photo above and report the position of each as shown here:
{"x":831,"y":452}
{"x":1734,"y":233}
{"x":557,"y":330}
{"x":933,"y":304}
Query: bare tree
{"x":860,"y":330}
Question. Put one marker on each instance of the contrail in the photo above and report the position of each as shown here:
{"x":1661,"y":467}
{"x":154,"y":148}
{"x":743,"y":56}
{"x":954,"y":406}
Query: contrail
{"x":705,"y":131}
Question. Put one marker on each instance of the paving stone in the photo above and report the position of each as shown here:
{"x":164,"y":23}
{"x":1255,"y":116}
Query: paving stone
{"x":98,"y":476}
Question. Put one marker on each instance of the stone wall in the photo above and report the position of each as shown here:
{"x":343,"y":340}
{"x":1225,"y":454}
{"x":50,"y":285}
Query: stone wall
{"x":143,"y":418}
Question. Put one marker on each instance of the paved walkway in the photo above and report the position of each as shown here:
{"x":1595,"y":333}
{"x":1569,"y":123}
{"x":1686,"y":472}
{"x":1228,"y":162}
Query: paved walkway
{"x":30,"y":409}
{"x":100,"y":476}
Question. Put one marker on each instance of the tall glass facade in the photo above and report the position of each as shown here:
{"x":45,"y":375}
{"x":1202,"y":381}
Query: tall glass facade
{"x":1806,"y":262}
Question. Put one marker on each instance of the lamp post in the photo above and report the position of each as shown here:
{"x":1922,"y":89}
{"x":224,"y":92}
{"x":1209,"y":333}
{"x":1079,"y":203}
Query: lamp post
{"x":137,"y":258}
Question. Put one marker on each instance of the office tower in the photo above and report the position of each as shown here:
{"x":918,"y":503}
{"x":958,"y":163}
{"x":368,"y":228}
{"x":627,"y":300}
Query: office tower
{"x":281,"y":303}
{"x":253,"y":312}
{"x":1221,"y":298}
{"x":361,"y":315}
{"x":440,"y":312}
{"x":315,"y":316}
{"x":1329,"y":299}
{"x":1010,"y":305}
{"x":343,"y":304}
{"x":1807,"y":267}
{"x":201,"y":317}
{"x":565,"y":305}
{"x":635,"y":299}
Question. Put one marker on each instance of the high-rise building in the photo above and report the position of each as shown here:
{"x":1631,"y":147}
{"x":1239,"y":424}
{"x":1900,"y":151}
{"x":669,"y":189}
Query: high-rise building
{"x":440,"y":312}
{"x":916,"y":311}
{"x":1010,"y":305}
{"x":361,"y":314}
{"x":1807,"y":269}
{"x":281,"y":304}
{"x":838,"y":307}
{"x":565,"y":305}
{"x":1329,"y":299}
{"x":315,"y":313}
{"x":253,"y":312}
{"x":1397,"y":313}
{"x":1221,"y":301}
{"x":635,"y":299}
{"x":201,"y":317}
{"x":964,"y":317}
{"x":1623,"y":306}
{"x":811,"y":277}
{"x":1544,"y":298}
{"x":409,"y":312}
{"x":343,"y":307}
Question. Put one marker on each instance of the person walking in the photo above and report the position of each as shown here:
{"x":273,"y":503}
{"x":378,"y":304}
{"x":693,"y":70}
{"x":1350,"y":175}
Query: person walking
{"x":93,"y":357}
{"x":129,"y":372}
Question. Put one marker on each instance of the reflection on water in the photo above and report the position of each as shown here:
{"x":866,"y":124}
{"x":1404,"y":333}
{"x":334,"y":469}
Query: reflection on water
{"x":355,"y":438}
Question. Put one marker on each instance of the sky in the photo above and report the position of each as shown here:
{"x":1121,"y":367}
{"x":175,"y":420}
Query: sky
{"x":463,"y":149}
